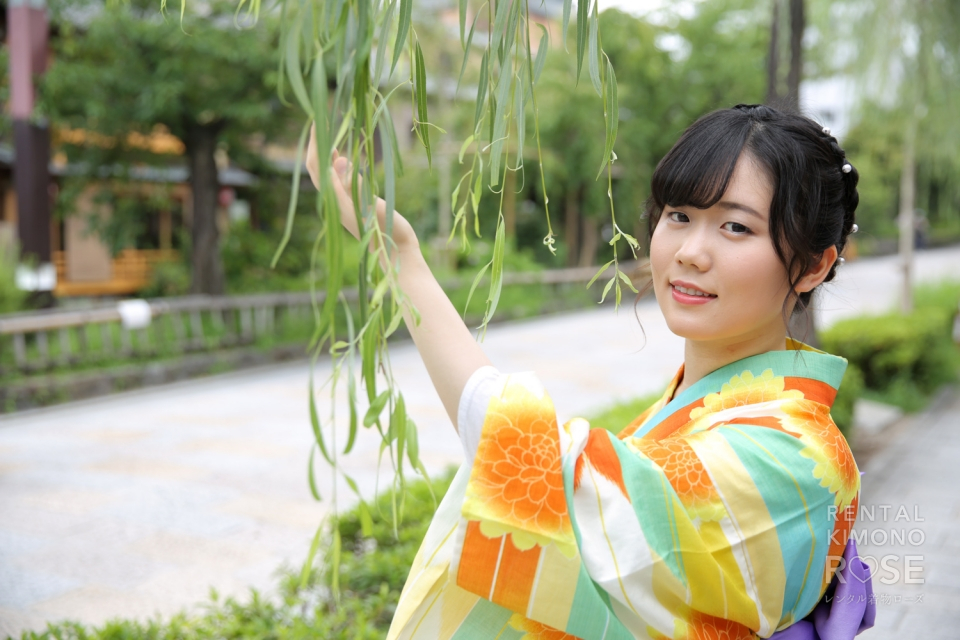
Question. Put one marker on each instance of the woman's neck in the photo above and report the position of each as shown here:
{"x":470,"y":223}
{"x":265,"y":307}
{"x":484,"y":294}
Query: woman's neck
{"x":703,"y":358}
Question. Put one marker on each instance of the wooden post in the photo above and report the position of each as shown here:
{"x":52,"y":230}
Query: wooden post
{"x":906,"y":221}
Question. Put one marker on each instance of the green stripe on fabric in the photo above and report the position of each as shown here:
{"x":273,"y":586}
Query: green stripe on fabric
{"x":656,"y":506}
{"x":485,"y":620}
{"x":795,"y":514}
{"x":815,"y":365}
{"x":591,"y":616}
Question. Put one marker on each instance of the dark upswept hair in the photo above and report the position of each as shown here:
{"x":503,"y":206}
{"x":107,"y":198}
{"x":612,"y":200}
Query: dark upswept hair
{"x":814,"y":201}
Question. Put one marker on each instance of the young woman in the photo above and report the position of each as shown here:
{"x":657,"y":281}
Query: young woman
{"x":724,"y":510}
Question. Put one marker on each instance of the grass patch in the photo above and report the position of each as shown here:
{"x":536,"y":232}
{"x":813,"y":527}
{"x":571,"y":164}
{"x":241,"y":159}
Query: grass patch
{"x":619,"y":415}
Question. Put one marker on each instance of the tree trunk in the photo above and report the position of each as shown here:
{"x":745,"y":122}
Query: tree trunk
{"x":908,"y":194}
{"x":201,"y":142}
{"x":588,"y":248}
{"x":571,"y":225}
{"x":797,"y":26}
{"x":773,"y":56}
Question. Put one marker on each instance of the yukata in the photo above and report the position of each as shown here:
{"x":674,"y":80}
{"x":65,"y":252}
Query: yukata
{"x":723,"y":512}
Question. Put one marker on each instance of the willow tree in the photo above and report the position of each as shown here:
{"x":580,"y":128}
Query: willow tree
{"x":906,"y":59}
{"x":344,"y":62}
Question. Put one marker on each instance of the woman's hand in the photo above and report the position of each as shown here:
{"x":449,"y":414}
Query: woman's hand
{"x":340,"y":177}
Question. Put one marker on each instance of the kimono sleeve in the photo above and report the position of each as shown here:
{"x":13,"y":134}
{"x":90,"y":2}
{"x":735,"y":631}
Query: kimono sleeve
{"x":721,"y":533}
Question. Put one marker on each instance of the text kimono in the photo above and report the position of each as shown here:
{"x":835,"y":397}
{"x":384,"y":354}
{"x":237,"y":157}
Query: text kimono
{"x":722,"y":513}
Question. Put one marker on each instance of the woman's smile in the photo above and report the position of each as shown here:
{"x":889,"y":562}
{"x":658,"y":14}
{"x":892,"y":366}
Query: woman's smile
{"x":686,"y":293}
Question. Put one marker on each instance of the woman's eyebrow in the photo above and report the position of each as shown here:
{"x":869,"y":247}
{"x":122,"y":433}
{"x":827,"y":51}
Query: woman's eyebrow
{"x":726,"y":204}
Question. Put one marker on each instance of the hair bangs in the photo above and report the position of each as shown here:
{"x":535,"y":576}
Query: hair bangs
{"x":697,"y":170}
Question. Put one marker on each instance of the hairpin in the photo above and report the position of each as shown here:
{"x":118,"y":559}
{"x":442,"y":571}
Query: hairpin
{"x":826,"y":130}
{"x":847,"y":167}
{"x":855,"y":228}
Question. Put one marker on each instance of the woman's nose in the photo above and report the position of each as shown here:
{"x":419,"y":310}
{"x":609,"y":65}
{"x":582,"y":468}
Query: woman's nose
{"x":694,"y":251}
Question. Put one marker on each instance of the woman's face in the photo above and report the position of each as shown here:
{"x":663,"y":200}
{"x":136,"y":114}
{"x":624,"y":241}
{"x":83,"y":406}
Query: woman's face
{"x":715,"y":273}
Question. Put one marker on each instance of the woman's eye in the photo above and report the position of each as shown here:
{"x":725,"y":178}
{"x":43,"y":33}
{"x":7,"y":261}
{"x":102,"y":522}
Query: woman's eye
{"x":736,"y":227}
{"x":678,"y":216}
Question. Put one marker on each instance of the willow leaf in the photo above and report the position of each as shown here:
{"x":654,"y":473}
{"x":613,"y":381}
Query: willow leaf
{"x":315,"y":423}
{"x":466,"y":49}
{"x":463,"y":22}
{"x":311,"y":476}
{"x":376,"y":408}
{"x":567,"y":4}
{"x":398,"y":428}
{"x":626,"y":279}
{"x":500,"y":126}
{"x":413,"y":444}
{"x":599,"y":273}
{"x":473,"y":287}
{"x":295,"y":74}
{"x":521,"y":116}
{"x":496,"y":271}
{"x":294,"y":195}
{"x":583,"y":17}
{"x":499,"y":26}
{"x":307,"y":568}
{"x":406,"y":12}
{"x":606,"y":289}
{"x":593,"y":52}
{"x":368,"y":357}
{"x":481,"y":90}
{"x":611,"y":115}
{"x":541,"y":53}
{"x":420,"y":80}
{"x":382,"y":41}
{"x":389,"y":175}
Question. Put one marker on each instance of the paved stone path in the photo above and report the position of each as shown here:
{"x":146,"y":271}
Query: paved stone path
{"x":137,"y":504}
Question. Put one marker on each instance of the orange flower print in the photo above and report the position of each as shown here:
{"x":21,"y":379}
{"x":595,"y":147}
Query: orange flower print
{"x":537,"y":631}
{"x":517,"y":478}
{"x":707,"y":627}
{"x":742,"y":390}
{"x":836,"y":469}
{"x":686,"y":474}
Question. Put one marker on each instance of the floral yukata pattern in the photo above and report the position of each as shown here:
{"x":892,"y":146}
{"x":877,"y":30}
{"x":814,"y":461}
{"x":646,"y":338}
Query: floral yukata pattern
{"x":717,"y":514}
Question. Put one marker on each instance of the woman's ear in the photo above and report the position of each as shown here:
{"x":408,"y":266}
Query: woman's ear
{"x":818,"y":271}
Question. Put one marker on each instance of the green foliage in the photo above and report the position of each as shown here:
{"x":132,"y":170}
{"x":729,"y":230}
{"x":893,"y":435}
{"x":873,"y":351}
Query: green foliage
{"x":11,"y":298}
{"x":842,"y":411}
{"x":168,"y":278}
{"x":903,"y":358}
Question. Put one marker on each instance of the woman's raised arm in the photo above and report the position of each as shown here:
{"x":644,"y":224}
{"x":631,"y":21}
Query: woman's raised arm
{"x":449,"y":350}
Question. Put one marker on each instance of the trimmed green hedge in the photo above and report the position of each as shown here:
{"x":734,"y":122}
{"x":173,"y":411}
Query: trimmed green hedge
{"x":903,"y":358}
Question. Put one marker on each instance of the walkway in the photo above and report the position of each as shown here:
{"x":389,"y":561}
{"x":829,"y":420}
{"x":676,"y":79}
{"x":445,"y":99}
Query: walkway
{"x":137,"y":504}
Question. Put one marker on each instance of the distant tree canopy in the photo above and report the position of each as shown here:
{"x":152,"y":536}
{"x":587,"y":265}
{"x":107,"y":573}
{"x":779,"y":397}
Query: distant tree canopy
{"x":131,"y":68}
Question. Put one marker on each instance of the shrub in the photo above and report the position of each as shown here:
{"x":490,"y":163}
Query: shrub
{"x":842,"y":411}
{"x":910,"y":354}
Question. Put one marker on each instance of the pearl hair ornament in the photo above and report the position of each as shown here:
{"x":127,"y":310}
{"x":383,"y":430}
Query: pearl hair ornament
{"x":855,"y":228}
{"x":826,"y":130}
{"x":847,"y":167}
{"x":841,"y":260}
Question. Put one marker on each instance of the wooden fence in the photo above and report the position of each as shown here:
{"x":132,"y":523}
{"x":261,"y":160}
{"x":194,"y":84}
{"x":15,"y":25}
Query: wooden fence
{"x":58,"y":338}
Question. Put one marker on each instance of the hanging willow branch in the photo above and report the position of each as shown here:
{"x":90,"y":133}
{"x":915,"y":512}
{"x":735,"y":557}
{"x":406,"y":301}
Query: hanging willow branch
{"x":334,"y":63}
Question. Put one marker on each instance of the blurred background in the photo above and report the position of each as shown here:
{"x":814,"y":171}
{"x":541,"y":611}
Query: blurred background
{"x":146,"y":165}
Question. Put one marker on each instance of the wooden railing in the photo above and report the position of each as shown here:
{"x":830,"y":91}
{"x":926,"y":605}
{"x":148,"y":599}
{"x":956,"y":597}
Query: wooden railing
{"x":130,"y":271}
{"x":57,"y":338}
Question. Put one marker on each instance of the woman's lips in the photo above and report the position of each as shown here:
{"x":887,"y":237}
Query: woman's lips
{"x":687,"y":298}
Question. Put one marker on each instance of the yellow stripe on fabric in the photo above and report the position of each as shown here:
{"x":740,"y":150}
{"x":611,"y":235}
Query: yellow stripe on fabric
{"x":555,"y":588}
{"x":455,"y":609}
{"x":806,"y":507}
{"x":751,"y":530}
